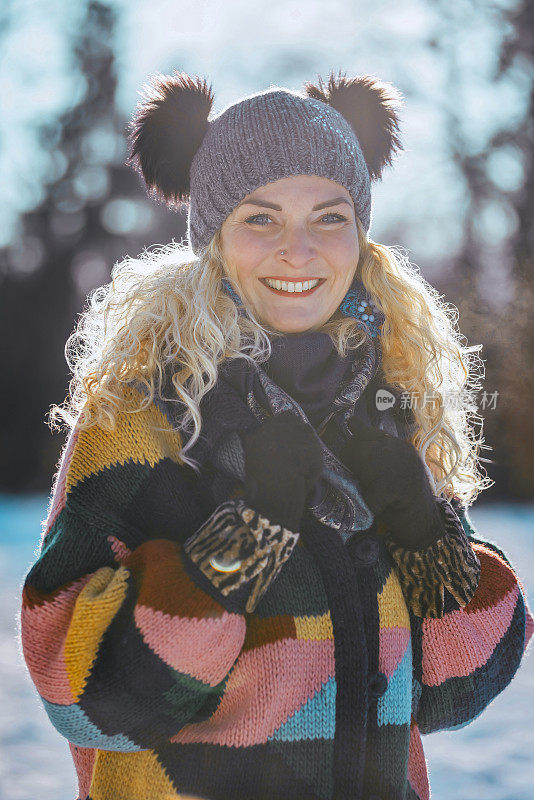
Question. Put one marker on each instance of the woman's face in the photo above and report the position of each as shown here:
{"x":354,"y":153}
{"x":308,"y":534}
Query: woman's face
{"x":310,"y":218}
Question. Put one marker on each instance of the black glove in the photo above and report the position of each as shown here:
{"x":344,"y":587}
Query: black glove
{"x":283,"y":460}
{"x":394,"y":484}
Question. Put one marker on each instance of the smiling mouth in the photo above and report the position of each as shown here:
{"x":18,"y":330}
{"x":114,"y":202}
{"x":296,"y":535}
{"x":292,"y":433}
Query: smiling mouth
{"x":292,"y":288}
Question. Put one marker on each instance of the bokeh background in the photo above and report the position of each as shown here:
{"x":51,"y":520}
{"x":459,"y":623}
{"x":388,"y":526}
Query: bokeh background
{"x":460,"y":199}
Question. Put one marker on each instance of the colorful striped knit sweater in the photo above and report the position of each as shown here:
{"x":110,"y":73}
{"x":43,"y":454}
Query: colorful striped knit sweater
{"x":165,"y":687}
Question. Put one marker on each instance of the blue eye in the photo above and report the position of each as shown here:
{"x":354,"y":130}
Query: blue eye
{"x":339,"y":217}
{"x":253,"y":219}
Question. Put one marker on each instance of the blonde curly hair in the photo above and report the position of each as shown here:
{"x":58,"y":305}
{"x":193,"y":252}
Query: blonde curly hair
{"x":164,"y":314}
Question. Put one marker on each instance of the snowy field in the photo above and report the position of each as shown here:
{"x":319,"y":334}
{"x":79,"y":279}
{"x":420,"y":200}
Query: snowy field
{"x":491,"y":759}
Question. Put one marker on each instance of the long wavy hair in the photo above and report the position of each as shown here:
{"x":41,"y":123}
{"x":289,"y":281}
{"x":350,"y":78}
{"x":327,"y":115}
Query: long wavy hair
{"x":164,"y":316}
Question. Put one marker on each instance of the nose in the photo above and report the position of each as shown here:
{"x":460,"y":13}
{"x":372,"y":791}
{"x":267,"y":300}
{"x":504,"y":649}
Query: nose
{"x":297,"y":247}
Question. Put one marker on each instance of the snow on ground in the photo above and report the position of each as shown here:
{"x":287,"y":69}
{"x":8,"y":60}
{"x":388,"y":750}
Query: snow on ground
{"x":489,"y":759}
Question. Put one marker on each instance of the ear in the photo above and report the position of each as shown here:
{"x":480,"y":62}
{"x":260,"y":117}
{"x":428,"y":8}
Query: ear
{"x":370,"y":107}
{"x":166,"y":131}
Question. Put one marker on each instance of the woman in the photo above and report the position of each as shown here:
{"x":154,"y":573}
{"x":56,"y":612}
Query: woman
{"x":258,"y":577}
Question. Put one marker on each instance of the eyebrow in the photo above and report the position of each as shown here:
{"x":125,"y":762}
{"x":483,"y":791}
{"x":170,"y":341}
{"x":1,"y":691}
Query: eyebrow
{"x":266,"y":204}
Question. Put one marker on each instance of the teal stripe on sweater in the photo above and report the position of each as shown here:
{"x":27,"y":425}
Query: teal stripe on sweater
{"x":316,"y":719}
{"x":73,"y":723}
{"x":395,"y":706}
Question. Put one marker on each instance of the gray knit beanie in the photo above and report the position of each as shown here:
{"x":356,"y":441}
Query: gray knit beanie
{"x":346,"y":131}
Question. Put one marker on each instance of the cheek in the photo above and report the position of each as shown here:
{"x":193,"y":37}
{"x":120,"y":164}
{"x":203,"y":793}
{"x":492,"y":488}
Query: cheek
{"x":244,"y":250}
{"x":347,"y":243}
{"x":343,"y":256}
{"x":244,"y":272}
{"x":249,"y":244}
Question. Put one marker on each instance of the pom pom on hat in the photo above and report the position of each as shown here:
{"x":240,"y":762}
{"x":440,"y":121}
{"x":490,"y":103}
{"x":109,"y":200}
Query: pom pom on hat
{"x":370,"y":107}
{"x":166,"y":131}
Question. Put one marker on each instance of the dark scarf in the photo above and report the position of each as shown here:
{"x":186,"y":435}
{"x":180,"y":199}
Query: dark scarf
{"x":308,"y":367}
{"x":305,"y":375}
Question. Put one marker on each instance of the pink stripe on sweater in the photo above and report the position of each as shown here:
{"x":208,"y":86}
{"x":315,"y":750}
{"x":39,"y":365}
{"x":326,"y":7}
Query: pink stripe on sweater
{"x":246,"y":716}
{"x":204,"y":648}
{"x":120,"y":551}
{"x":43,"y":632}
{"x":393,"y":644}
{"x":529,"y":627}
{"x":84,"y":761}
{"x":463,"y":641}
{"x":417,"y":771}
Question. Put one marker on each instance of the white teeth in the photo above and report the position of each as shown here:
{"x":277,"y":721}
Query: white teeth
{"x":286,"y":286}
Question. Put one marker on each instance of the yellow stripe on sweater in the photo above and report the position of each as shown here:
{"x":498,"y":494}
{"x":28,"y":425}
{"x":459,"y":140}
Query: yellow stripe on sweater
{"x":97,"y":604}
{"x":314,"y":627}
{"x":130,"y":776}
{"x":132,"y":438}
{"x":392,"y":608}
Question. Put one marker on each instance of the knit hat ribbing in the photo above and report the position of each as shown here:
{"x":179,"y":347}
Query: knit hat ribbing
{"x":346,"y":132}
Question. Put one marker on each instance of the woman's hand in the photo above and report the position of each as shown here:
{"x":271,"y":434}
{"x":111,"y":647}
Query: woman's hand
{"x":394,"y":484}
{"x":283,"y":460}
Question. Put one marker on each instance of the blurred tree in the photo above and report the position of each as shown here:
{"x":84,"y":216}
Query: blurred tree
{"x":38,"y":301}
{"x":515,"y":364}
{"x":92,"y":212}
{"x":491,"y":279}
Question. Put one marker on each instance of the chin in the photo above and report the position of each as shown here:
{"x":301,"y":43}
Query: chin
{"x":304,"y":328}
{"x":294,"y":325}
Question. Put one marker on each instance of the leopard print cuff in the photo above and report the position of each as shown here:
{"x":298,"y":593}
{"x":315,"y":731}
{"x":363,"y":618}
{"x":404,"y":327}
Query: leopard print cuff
{"x":237,"y":545}
{"x":449,"y":563}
